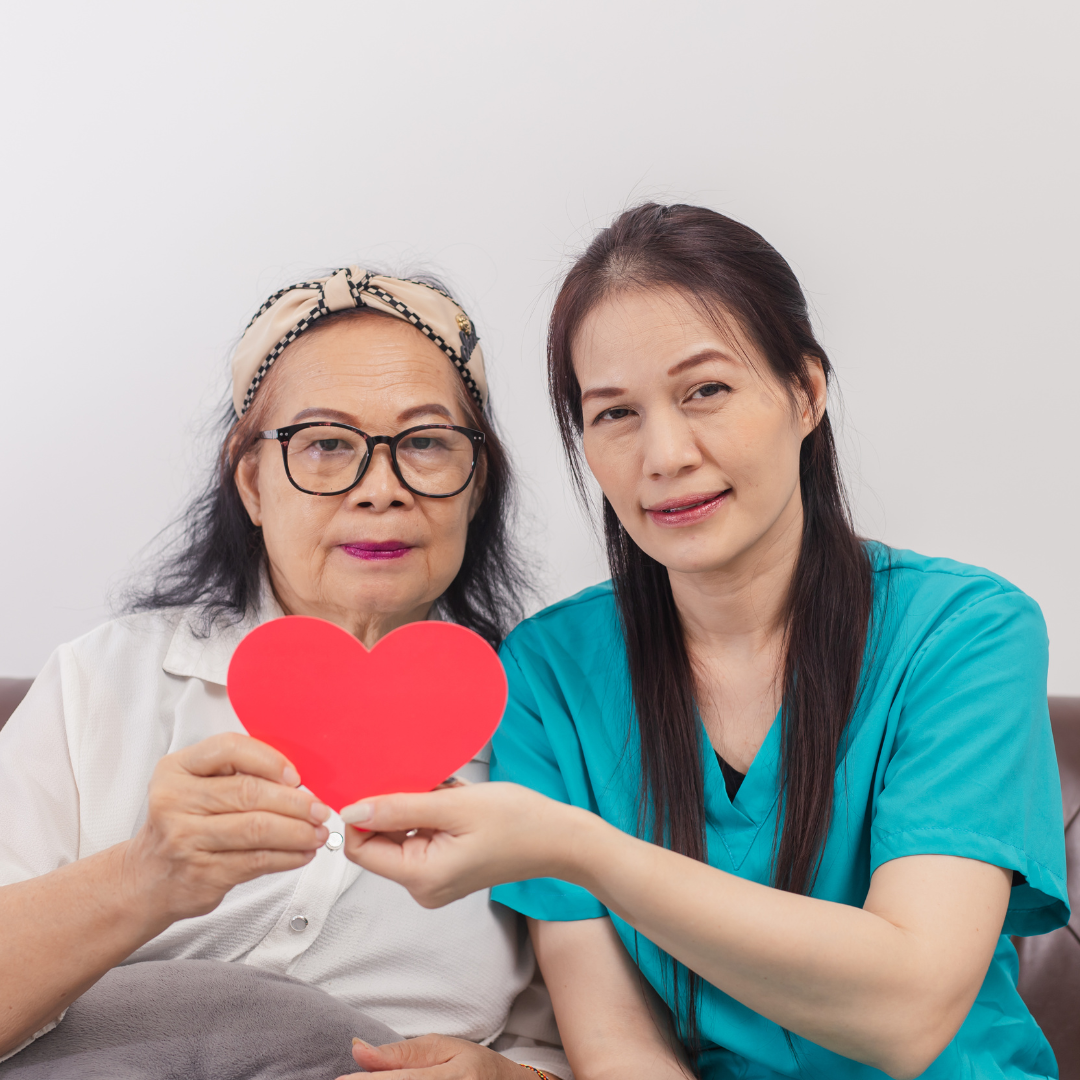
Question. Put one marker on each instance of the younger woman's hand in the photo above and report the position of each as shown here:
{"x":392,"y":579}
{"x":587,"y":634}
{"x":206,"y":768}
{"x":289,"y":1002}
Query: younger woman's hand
{"x":435,"y":1057}
{"x":466,"y":838}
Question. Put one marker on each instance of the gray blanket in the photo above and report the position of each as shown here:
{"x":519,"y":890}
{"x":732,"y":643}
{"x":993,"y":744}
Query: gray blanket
{"x":199,"y":1020}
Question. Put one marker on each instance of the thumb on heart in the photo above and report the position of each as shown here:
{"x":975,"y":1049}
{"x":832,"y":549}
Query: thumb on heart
{"x":400,"y":813}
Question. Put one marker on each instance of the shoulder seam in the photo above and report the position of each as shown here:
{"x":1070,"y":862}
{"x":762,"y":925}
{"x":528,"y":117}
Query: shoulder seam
{"x":920,"y":653}
{"x":573,"y":601}
{"x":975,"y":572}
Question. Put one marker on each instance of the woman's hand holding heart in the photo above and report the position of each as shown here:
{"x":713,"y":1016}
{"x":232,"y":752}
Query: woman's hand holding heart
{"x":221,"y":812}
{"x":468,"y":837}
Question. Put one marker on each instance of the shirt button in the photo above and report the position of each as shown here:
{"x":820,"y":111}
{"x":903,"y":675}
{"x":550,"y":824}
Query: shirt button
{"x":334,"y":841}
{"x":298,"y":923}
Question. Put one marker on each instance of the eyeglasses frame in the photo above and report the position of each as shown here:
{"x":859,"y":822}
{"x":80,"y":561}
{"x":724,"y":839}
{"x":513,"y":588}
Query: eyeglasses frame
{"x":284,"y":434}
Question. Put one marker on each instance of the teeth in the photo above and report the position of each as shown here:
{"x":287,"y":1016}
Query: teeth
{"x":688,"y":506}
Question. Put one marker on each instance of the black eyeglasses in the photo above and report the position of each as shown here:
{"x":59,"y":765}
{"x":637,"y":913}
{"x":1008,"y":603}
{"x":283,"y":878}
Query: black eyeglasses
{"x":434,"y":460}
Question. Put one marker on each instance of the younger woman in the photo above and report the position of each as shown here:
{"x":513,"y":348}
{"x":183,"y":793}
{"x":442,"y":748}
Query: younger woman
{"x":804,"y":783}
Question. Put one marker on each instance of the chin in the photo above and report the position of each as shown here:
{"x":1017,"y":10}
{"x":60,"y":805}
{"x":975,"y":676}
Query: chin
{"x":382,"y":596}
{"x":697,"y":566}
{"x":693,"y":556}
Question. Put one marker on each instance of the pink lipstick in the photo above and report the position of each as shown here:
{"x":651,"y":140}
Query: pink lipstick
{"x":687,"y":509}
{"x":377,"y":550}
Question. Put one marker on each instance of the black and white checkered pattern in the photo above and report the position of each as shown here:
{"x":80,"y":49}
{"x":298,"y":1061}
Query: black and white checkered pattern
{"x":358,"y":289}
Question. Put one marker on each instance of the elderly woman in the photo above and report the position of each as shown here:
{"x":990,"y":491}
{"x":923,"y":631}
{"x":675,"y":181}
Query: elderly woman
{"x":360,"y":481}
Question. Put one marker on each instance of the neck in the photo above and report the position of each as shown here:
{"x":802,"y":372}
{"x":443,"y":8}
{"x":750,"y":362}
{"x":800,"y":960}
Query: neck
{"x":741,"y":608}
{"x":368,"y":627}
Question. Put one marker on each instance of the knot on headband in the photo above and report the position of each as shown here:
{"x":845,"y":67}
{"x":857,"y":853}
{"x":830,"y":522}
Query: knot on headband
{"x":288,"y":313}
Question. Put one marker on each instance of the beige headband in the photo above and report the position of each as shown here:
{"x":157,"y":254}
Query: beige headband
{"x":288,"y":313}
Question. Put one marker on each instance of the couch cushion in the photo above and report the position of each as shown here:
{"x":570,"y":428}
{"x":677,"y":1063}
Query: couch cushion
{"x":198,"y":1020}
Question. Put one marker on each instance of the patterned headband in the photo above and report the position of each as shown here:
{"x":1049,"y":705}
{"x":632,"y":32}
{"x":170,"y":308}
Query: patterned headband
{"x":288,"y":313}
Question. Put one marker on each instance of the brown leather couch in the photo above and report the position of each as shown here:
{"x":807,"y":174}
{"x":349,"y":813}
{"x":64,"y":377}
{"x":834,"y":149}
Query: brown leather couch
{"x":1049,"y":965}
{"x":12,"y":691}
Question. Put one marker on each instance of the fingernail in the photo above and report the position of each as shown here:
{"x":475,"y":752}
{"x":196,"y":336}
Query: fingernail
{"x":361,"y":811}
{"x":290,"y":776}
{"x":358,"y":1040}
{"x":319,"y":812}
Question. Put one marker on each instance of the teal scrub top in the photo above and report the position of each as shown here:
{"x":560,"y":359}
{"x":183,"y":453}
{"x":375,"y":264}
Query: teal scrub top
{"x":949,"y":752}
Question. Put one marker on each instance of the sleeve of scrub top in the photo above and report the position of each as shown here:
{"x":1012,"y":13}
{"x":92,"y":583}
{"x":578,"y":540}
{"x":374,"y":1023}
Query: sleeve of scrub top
{"x":973,"y":771}
{"x":39,"y":797}
{"x":522,"y":752}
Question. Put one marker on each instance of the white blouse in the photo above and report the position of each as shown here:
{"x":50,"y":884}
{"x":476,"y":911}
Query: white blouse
{"x":75,"y":761}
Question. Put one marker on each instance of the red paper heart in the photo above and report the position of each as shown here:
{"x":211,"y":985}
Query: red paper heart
{"x":402,"y":717}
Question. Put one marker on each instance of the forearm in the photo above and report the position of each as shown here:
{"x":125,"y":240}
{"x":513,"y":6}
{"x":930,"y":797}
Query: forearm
{"x":844,"y":977}
{"x":62,"y":932}
{"x":613,"y":1025}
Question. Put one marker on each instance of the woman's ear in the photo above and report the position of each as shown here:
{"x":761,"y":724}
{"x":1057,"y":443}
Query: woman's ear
{"x":247,"y":483}
{"x":815,"y":407}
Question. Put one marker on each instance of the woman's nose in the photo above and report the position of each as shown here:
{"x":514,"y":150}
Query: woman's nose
{"x":670,"y":445}
{"x":379,"y":488}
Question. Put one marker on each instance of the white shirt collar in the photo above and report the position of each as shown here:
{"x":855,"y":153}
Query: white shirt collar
{"x":203,"y":656}
{"x":192,"y":655}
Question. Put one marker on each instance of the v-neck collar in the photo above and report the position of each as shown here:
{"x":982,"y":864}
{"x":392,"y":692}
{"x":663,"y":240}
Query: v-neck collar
{"x":738,"y":823}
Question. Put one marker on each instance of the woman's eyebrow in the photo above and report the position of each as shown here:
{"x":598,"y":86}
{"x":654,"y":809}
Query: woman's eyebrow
{"x":701,"y":357}
{"x":330,"y":414}
{"x":426,"y":410}
{"x":602,"y":392}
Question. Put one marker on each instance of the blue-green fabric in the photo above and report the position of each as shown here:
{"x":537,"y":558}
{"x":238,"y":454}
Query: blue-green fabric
{"x":949,"y":751}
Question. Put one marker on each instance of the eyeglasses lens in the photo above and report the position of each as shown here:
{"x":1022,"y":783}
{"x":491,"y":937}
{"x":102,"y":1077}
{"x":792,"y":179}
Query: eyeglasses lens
{"x":435,"y":461}
{"x":324,"y":459}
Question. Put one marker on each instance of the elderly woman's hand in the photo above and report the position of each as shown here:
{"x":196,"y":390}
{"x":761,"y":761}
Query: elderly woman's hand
{"x":220,"y":812}
{"x":436,"y":1057}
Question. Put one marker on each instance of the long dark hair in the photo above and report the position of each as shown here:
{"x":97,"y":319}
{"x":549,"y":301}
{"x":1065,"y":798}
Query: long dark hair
{"x":215,"y":558}
{"x":725,"y":268}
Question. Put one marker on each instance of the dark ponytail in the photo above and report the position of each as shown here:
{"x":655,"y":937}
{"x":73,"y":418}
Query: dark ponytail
{"x":726,"y":269}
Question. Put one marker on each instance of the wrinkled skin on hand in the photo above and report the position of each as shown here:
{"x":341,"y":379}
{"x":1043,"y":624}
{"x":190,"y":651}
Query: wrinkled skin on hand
{"x":221,"y":812}
{"x":435,"y":1057}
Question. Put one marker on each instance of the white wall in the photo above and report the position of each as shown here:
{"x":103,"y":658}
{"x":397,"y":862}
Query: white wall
{"x":168,"y":165}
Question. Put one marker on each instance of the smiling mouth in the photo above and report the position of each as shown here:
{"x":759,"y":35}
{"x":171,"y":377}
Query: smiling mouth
{"x":694,"y":509}
{"x":689,"y":506}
